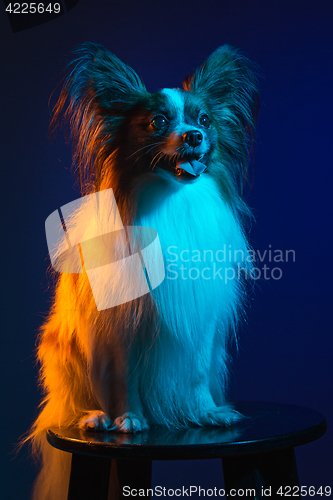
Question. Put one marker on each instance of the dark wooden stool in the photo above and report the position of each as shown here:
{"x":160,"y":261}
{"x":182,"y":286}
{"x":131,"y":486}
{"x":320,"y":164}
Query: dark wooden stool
{"x":258,"y":452}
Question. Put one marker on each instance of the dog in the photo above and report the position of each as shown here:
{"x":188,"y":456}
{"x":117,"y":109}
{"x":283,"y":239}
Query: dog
{"x":176,"y":161}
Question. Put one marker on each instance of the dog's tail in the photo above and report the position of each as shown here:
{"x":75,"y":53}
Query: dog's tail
{"x":53,"y":479}
{"x":63,"y":379}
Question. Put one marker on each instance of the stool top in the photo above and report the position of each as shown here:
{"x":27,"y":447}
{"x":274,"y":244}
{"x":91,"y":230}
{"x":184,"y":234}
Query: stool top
{"x":267,"y":426}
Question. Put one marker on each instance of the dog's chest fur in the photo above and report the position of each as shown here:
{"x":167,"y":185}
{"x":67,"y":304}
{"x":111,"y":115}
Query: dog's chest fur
{"x":198,"y":234}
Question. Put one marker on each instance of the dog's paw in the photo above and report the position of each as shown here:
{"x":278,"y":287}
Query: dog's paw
{"x":129,"y":422}
{"x":95,"y":420}
{"x":223,"y":416}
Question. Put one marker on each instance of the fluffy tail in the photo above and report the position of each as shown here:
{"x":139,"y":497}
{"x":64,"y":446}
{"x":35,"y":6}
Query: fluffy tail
{"x":53,"y":479}
{"x":64,"y":381}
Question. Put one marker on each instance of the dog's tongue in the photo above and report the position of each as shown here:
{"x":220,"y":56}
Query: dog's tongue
{"x":193,"y":167}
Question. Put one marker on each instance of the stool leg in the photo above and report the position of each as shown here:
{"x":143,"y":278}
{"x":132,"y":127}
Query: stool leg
{"x":128,"y":475}
{"x":262,"y":471}
{"x":89,"y":478}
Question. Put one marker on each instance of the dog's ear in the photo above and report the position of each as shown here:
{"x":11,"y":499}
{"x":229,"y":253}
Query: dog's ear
{"x":228,"y":83}
{"x":228,"y":80}
{"x":97,"y":74}
{"x":98,"y":89}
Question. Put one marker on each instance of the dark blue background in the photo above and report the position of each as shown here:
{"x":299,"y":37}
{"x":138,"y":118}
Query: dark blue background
{"x":285,"y":349}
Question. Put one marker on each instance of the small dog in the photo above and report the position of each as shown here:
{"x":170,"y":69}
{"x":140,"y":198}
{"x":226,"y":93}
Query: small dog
{"x":176,"y":161}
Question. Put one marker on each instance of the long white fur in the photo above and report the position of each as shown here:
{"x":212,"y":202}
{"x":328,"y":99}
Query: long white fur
{"x":185,"y":368}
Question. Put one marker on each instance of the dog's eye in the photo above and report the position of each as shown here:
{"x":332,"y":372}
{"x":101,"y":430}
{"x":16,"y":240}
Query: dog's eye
{"x":204,"y":121}
{"x":159,"y":122}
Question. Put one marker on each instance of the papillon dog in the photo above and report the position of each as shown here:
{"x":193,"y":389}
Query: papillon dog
{"x":176,"y":161}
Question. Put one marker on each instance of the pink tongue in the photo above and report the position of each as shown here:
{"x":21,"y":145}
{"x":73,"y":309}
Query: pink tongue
{"x":193,"y":167}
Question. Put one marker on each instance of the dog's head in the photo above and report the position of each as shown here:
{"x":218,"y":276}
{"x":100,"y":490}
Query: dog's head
{"x":173,"y":130}
{"x":117,"y":126}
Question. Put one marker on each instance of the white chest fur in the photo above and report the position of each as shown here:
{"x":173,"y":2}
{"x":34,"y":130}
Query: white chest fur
{"x":202,"y":244}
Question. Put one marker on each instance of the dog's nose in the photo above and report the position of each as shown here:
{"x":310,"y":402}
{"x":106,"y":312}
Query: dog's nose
{"x":193,"y":138}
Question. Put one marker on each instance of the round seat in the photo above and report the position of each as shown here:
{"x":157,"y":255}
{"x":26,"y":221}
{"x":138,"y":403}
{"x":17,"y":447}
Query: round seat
{"x":257,"y":452}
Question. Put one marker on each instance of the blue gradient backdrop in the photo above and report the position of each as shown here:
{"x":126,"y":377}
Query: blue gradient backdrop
{"x":285,"y":349}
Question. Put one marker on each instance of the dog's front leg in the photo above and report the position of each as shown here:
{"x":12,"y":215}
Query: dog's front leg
{"x":132,"y":420}
{"x":207,"y":389}
{"x":116,"y":390}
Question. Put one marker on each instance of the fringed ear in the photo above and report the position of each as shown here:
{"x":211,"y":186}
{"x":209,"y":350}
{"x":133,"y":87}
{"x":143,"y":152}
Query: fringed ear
{"x":228,"y":83}
{"x":97,"y":91}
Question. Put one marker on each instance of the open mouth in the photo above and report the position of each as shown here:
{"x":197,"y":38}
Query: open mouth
{"x":186,"y":167}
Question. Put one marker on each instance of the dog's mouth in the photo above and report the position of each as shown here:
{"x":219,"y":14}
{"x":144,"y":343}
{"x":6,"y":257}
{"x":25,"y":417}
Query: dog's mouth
{"x":185,"y":167}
